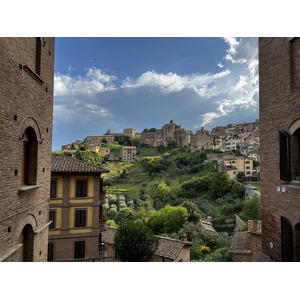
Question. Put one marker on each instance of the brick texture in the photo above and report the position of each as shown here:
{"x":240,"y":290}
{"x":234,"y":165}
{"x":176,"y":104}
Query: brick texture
{"x":24,"y":102}
{"x":279,"y":108}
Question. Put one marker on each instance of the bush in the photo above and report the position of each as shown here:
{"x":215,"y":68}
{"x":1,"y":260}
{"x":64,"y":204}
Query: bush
{"x":251,"y":209}
{"x":111,"y":223}
{"x":124,"y":213}
{"x":134,"y":242}
{"x":167,"y":220}
{"x":162,"y":190}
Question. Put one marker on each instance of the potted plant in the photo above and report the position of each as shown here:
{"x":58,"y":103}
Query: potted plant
{"x":297,"y":173}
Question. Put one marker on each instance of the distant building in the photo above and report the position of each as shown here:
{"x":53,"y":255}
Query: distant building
{"x":92,"y":147}
{"x":169,"y":250}
{"x":202,"y":140}
{"x":165,"y":135}
{"x":129,"y":153}
{"x":129,"y":131}
{"x":26,"y":113}
{"x":76,"y":199}
{"x":98,"y":139}
{"x":105,"y":151}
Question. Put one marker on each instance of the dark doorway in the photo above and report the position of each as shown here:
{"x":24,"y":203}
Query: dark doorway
{"x":297,"y":242}
{"x":27,"y":241}
{"x":286,"y":240}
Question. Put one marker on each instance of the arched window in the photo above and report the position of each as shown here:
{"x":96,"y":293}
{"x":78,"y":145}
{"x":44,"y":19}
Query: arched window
{"x":29,"y":161}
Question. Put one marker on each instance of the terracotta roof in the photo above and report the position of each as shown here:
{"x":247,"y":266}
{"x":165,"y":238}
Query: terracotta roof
{"x":167,"y":247}
{"x":241,"y":243}
{"x":65,"y":163}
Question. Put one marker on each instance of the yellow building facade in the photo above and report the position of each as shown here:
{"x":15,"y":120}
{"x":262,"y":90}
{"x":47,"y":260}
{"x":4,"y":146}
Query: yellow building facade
{"x":233,"y":165}
{"x":75,"y":210}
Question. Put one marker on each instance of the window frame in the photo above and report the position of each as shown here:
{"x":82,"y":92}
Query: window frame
{"x":78,"y":222}
{"x":76,"y":187}
{"x":79,"y":251}
{"x":52,"y":226}
{"x":56,"y":188}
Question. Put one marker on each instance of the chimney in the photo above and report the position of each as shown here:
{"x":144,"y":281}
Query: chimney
{"x":171,"y":121}
{"x":183,"y":237}
{"x":254,"y":226}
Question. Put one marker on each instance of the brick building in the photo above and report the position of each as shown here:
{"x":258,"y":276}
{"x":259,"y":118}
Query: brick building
{"x":202,"y":140}
{"x":76,"y":201}
{"x":26,"y":110}
{"x":279,"y":85}
{"x":165,"y":135}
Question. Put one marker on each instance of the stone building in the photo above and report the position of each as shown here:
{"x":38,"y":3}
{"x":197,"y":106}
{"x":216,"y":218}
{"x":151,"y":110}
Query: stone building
{"x":165,"y":135}
{"x":76,"y":199}
{"x":98,"y":139}
{"x":202,"y":140}
{"x":169,"y":250}
{"x":129,"y":153}
{"x":26,"y":113}
{"x":129,"y":131}
{"x":279,"y":107}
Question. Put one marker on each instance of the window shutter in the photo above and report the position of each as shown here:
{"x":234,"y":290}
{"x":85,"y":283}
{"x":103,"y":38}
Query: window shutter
{"x":77,"y":218}
{"x":284,"y":155}
{"x":84,"y":188}
{"x":52,"y":214}
{"x":53,"y":189}
{"x":83,"y":218}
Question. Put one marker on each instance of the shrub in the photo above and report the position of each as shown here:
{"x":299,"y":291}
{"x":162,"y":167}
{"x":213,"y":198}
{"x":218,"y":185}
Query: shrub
{"x":111,"y":223}
{"x":162,"y":190}
{"x":134,"y":242}
{"x":124,"y":213}
{"x":167,"y":220}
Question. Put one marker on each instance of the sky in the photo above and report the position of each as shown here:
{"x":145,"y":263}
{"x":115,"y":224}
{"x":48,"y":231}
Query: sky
{"x":119,"y":82}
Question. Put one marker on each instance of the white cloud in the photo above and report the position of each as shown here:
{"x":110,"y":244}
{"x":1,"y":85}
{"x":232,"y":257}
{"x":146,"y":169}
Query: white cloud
{"x":171,"y":82}
{"x":94,"y":81}
{"x":220,"y":65}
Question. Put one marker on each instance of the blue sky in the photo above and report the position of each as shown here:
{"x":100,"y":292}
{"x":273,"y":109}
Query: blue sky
{"x":116,"y":83}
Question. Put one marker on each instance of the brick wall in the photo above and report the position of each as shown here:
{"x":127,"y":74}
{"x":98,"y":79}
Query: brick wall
{"x":24,"y":102}
{"x":279,"y":108}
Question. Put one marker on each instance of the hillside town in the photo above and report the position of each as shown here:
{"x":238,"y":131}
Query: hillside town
{"x":228,"y":195}
{"x":236,"y":145}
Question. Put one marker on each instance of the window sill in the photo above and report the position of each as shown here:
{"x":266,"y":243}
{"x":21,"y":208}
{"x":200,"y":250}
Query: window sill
{"x":34,"y":75}
{"x":27,"y":188}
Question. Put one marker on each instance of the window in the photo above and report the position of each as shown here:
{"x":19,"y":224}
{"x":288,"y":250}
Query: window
{"x":53,"y":189}
{"x":81,"y":188}
{"x":52,"y":217}
{"x":248,"y":173}
{"x":29,"y":162}
{"x":79,"y":249}
{"x":284,"y":152}
{"x":50,"y":252}
{"x":80,"y":218}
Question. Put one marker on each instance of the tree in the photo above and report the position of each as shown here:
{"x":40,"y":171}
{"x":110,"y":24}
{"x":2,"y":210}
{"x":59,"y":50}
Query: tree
{"x":144,"y":211}
{"x":162,"y":190}
{"x":108,"y":132}
{"x":251,"y":209}
{"x":152,"y":130}
{"x":172,"y":144}
{"x":91,"y":157}
{"x":124,"y":213}
{"x":190,"y":132}
{"x":134,"y":242}
{"x":168,"y":219}
{"x":194,"y":213}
